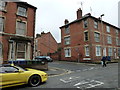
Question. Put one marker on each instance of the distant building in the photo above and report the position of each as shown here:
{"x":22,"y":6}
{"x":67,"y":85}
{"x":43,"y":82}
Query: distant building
{"x":89,"y":39}
{"x":17,"y":29}
{"x":119,"y":14}
{"x":45,"y":44}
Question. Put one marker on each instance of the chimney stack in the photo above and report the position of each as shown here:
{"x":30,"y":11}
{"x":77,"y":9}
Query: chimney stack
{"x":79,"y":13}
{"x":66,"y":21}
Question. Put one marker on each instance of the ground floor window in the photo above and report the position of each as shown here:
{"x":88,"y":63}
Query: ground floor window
{"x":87,"y":52}
{"x":110,"y":53}
{"x":118,"y":51}
{"x":98,"y":50}
{"x":67,"y":52}
{"x":21,"y":50}
{"x":0,"y":50}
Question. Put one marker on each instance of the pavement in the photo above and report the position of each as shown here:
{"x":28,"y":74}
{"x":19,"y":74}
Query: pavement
{"x":53,"y":71}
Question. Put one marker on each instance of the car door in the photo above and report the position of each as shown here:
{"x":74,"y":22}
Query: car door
{"x":10,"y":76}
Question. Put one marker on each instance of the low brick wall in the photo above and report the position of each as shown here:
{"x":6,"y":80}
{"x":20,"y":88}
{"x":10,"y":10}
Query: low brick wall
{"x":31,"y":64}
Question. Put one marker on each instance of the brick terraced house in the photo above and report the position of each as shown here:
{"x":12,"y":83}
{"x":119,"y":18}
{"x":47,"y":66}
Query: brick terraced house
{"x":45,"y":44}
{"x":89,"y":39}
{"x":17,"y":29}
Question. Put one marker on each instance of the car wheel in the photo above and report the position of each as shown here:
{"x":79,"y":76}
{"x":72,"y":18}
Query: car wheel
{"x":34,"y":80}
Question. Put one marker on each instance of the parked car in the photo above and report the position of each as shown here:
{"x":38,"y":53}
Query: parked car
{"x":14,"y":75}
{"x":44,"y":58}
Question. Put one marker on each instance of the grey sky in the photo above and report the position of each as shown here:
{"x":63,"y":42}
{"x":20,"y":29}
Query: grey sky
{"x":51,"y":14}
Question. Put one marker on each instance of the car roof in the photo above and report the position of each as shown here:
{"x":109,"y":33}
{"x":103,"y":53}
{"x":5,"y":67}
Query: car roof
{"x":3,"y":65}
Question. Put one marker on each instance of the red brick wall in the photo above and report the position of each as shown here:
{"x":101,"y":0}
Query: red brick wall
{"x":77,"y":40}
{"x":46,"y":44}
{"x":11,"y":16}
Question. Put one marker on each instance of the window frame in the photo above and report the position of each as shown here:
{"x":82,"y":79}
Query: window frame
{"x":87,"y":51}
{"x":67,"y":29}
{"x":95,"y":24}
{"x":18,"y":51}
{"x":97,"y":37}
{"x":67,"y":40}
{"x":86,"y":36}
{"x":2,"y":24}
{"x":18,"y":30}
{"x":1,"y":50}
{"x":2,"y":5}
{"x":108,"y":29}
{"x":109,"y":39}
{"x":98,"y":50}
{"x":67,"y":52}
{"x":22,"y":12}
{"x":110,"y":51}
{"x":85,"y":23}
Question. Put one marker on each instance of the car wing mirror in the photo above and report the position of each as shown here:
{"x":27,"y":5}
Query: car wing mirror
{"x":20,"y":71}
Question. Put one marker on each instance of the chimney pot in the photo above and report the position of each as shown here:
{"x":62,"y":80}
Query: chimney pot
{"x":66,"y":21}
{"x":79,"y":13}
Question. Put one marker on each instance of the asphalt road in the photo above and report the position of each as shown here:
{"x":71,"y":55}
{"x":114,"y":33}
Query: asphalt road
{"x":80,"y":76}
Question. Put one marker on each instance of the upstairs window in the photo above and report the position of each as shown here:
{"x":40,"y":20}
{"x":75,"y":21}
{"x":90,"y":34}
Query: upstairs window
{"x":109,"y":40}
{"x":21,"y":28}
{"x":86,"y":36}
{"x":117,"y":41}
{"x":2,"y":5}
{"x":22,"y":11}
{"x":95,"y":24}
{"x":1,"y":24}
{"x":67,"y":29}
{"x":117,"y":32}
{"x":85,"y":23}
{"x":97,"y":37}
{"x":67,"y":40}
{"x":108,"y":29}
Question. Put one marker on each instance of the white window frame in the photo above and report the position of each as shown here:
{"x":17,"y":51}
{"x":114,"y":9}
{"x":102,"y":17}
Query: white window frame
{"x":21,"y":52}
{"x":95,"y":24}
{"x":109,"y":39}
{"x":2,"y":5}
{"x":2,"y":24}
{"x":117,"y":32}
{"x":20,"y":30}
{"x":87,"y":51}
{"x":85,"y":23}
{"x":67,"y":52}
{"x":67,"y":40}
{"x":108,"y":29}
{"x":110,"y":51}
{"x":86,"y":36}
{"x":97,"y":36}
{"x":1,"y":50}
{"x":22,"y":11}
{"x":67,"y":29}
{"x":117,"y":41}
{"x":98,"y":50}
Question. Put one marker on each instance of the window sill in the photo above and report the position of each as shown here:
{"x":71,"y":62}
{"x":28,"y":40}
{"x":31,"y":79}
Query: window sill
{"x":21,"y":15}
{"x":5,"y":11}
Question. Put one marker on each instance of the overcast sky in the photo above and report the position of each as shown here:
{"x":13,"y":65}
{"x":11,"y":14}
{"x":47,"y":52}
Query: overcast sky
{"x":51,"y":14}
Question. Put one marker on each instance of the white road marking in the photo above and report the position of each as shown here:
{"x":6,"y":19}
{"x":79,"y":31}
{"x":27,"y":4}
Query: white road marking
{"x":69,"y":79}
{"x":88,"y":84}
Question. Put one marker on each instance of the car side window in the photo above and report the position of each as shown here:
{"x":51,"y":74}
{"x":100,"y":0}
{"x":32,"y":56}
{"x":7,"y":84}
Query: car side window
{"x":2,"y":70}
{"x":10,"y":69}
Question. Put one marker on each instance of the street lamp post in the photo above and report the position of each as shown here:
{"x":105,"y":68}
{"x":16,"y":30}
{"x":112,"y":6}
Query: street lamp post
{"x":104,"y":49}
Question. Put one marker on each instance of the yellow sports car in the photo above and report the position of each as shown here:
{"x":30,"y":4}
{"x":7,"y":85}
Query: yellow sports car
{"x":11,"y":75}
